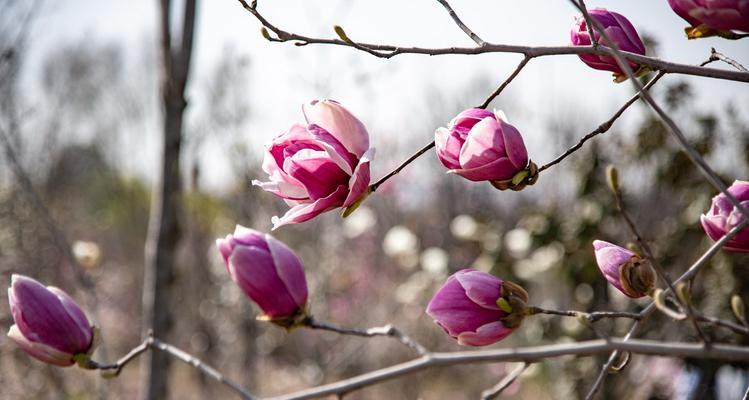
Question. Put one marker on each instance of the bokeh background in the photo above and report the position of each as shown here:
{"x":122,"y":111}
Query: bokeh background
{"x":79,"y":103}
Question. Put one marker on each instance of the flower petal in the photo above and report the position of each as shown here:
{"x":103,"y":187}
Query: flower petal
{"x":305,"y":212}
{"x":359,"y":182}
{"x":289,"y":270}
{"x":485,"y":335}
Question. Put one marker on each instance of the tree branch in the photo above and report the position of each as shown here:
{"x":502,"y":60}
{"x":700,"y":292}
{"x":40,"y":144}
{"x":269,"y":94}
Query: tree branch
{"x":526,"y":354}
{"x":387,"y":330}
{"x":495,"y":391}
{"x":460,"y":23}
{"x":506,"y":82}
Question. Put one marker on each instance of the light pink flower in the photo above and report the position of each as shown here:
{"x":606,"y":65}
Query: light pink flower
{"x":481,"y":146}
{"x":49,"y":325}
{"x":723,"y":217}
{"x":319,"y":166}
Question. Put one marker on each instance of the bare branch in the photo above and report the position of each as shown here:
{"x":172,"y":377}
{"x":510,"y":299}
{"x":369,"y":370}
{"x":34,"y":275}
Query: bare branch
{"x":495,"y":391}
{"x":153,"y":343}
{"x":387,"y":330}
{"x":460,"y":23}
{"x":505,"y":83}
{"x":716,"y":56}
{"x":526,"y":354}
{"x":373,"y":187}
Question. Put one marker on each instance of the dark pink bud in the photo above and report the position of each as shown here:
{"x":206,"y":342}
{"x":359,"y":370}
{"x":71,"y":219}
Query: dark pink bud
{"x":49,"y":325}
{"x":621,"y":32}
{"x":481,"y":146}
{"x":631,"y":274}
{"x":321,"y":166}
{"x":267,"y":271}
{"x":477,"y":308}
{"x":723,"y":217}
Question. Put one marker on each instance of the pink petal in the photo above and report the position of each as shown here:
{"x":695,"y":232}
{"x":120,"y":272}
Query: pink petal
{"x":485,"y":335}
{"x":482,"y":288}
{"x":336,"y":119}
{"x":448,"y":147}
{"x":253,"y":270}
{"x":514,"y":145}
{"x":305,"y":212}
{"x":500,"y":169}
{"x":483,"y":145}
{"x":40,"y":351}
{"x":319,"y":174}
{"x":359,"y":182}
{"x":289,"y":270}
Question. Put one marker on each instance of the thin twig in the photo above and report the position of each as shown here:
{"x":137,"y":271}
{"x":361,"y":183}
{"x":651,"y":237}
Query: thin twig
{"x":589,"y":26}
{"x":716,"y":56}
{"x":746,"y":394}
{"x":494,"y":391}
{"x":740,"y":329}
{"x":531,"y":51}
{"x":116,"y":368}
{"x":604,"y":127}
{"x":590,"y":316}
{"x":387,"y":330}
{"x":506,"y":82}
{"x":527,"y":354}
{"x":373,"y":187}
{"x":460,"y":23}
{"x":153,"y":343}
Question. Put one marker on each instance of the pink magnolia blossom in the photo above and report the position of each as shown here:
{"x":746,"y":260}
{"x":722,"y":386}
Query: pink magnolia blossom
{"x":49,"y":325}
{"x":718,"y":15}
{"x":480,"y":145}
{"x":319,"y":166}
{"x":266,"y":270}
{"x":628,"y":272}
{"x":621,"y":32}
{"x":723,"y":217}
{"x":467,"y":307}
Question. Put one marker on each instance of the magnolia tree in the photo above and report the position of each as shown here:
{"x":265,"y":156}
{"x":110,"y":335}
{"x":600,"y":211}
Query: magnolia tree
{"x":323,"y":164}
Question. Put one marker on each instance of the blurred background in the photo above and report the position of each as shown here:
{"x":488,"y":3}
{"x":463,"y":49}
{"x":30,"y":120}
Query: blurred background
{"x":80,"y":118}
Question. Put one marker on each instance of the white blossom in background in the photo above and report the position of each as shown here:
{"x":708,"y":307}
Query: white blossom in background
{"x":434,"y":260}
{"x":518,"y":242}
{"x":402,"y":245}
{"x":464,"y":227}
{"x":358,"y":223}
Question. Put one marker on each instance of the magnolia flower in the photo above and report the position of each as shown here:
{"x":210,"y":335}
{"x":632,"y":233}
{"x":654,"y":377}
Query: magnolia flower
{"x":631,"y":274}
{"x":49,"y":325}
{"x":710,"y":17}
{"x":477,"y":308}
{"x":319,"y":166}
{"x":480,"y":145}
{"x":267,"y":271}
{"x":619,"y":30}
{"x":723,"y":217}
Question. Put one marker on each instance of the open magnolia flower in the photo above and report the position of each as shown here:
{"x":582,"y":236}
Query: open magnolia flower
{"x":481,"y":145}
{"x":319,"y":166}
{"x":723,"y":216}
{"x":710,"y":17}
{"x":478,"y":309}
